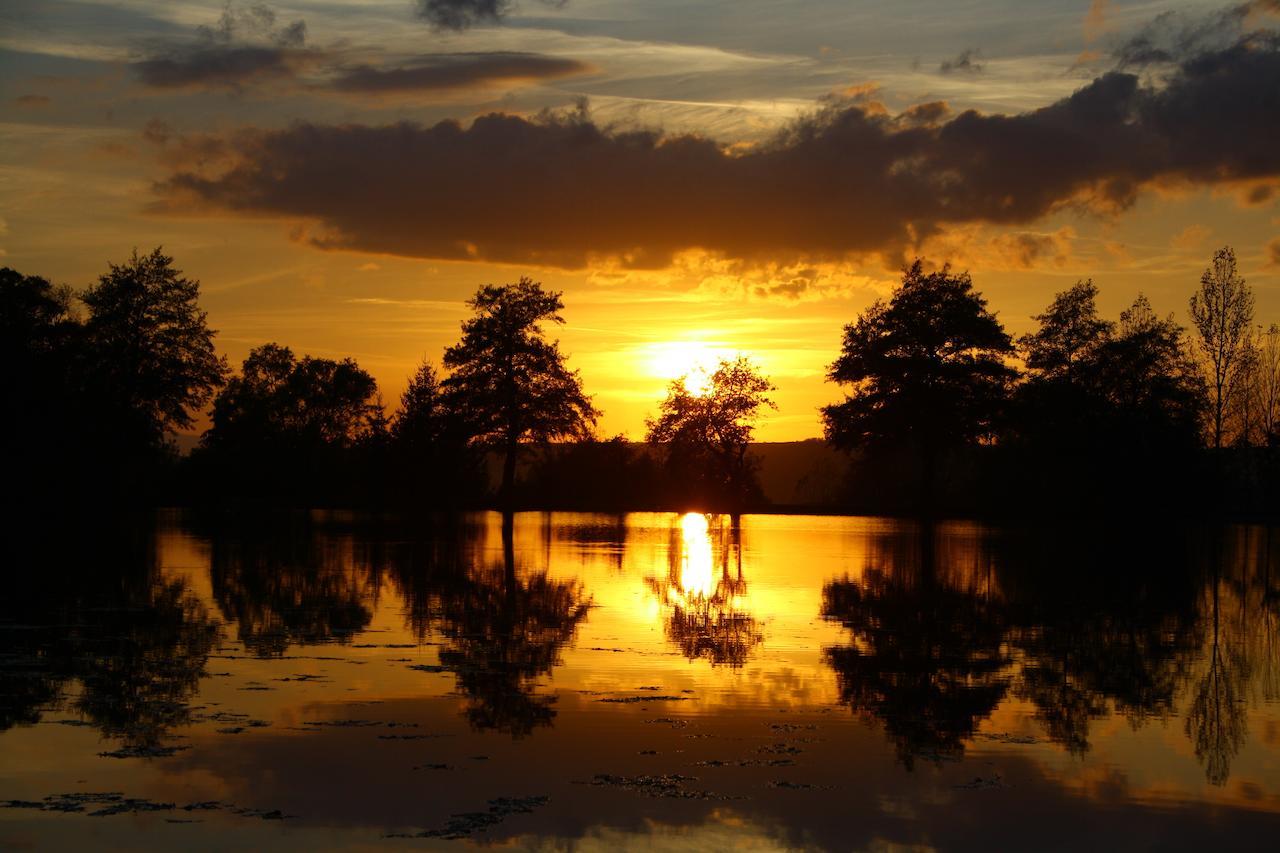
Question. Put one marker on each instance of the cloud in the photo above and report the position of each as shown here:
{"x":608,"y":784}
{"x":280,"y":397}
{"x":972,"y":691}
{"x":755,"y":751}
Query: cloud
{"x":1273,"y":253}
{"x":247,"y":49}
{"x":455,"y":71}
{"x":1190,"y":237}
{"x":972,"y":246}
{"x":1095,"y":20}
{"x":244,"y":47}
{"x":1176,"y":36}
{"x":965,"y":63}
{"x":218,"y":67}
{"x":464,"y":14}
{"x":848,"y":179}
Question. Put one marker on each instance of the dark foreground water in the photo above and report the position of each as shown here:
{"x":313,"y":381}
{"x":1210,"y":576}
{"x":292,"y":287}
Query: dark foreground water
{"x":647,"y":681}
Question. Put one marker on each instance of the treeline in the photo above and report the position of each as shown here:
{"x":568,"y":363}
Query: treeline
{"x":944,"y":410}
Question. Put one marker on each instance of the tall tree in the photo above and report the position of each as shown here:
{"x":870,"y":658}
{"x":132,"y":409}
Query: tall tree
{"x":39,"y":346}
{"x":926,"y":370}
{"x":1150,"y":381}
{"x":1269,"y":384}
{"x":432,"y":463}
{"x":705,"y":436}
{"x":1222,"y":311}
{"x":510,"y":382}
{"x":151,"y":348}
{"x":1070,"y":333}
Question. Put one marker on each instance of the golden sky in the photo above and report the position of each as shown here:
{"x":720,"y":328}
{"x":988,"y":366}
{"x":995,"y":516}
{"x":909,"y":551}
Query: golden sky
{"x":699,"y":179}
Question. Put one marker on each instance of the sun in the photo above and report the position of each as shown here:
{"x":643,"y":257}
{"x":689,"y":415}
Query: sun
{"x":694,"y":360}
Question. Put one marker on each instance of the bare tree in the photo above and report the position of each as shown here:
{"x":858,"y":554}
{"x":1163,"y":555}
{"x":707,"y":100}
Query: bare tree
{"x":1222,"y":311}
{"x":1269,"y":384}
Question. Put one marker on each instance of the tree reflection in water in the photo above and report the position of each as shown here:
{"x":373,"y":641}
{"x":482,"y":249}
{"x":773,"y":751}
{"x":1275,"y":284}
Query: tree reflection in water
{"x":1081,"y":627}
{"x":292,"y":582}
{"x":504,"y":626}
{"x":705,"y":597}
{"x":96,"y":631}
{"x":927,"y":660}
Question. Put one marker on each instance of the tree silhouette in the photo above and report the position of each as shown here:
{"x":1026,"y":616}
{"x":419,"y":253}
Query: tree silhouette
{"x":432,"y":463}
{"x":153,"y":363}
{"x":509,"y":380}
{"x":704,"y":437}
{"x":309,"y":402}
{"x":1222,"y":311}
{"x":926,"y":370}
{"x":292,"y":426}
{"x":1069,"y":336}
{"x":41,"y":345}
{"x":1148,"y":376}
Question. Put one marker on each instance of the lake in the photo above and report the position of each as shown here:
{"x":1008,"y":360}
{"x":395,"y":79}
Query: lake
{"x":559,"y":680}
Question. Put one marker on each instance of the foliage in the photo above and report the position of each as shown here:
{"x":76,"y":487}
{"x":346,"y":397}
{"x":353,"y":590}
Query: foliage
{"x":927,"y":368}
{"x":1070,"y":333}
{"x":431,"y":462}
{"x":152,"y":354}
{"x":311,"y":402}
{"x":511,"y":384}
{"x":1222,"y":311}
{"x":306,"y":429}
{"x":704,"y":437}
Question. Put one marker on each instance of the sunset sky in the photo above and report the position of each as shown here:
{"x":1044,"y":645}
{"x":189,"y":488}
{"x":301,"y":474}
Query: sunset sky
{"x":701,"y":178}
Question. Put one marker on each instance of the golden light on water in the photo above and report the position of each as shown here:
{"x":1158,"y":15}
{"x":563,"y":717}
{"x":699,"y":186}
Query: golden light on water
{"x":696,"y":578}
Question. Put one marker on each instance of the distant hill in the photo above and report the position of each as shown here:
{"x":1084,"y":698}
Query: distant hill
{"x":801,"y":473}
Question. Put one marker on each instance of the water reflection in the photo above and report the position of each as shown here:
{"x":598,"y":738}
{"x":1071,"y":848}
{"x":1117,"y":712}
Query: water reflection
{"x":503,"y":626}
{"x":1076,"y":672}
{"x":291,"y":582}
{"x":926,"y":657}
{"x":99,"y":633}
{"x":704,"y":593}
{"x":944,"y":623}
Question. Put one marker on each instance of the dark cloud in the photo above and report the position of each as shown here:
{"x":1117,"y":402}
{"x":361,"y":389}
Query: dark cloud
{"x":966,"y":63}
{"x":255,"y":20}
{"x":247,"y":48}
{"x":1175,"y":35}
{"x":244,"y":47}
{"x":217,"y":67}
{"x":455,"y":71}
{"x":464,"y":14}
{"x":558,"y":190}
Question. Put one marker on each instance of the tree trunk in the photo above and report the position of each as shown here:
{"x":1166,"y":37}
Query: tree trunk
{"x":507,"y":494}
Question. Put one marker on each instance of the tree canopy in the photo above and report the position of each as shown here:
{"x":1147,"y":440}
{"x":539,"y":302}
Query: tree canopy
{"x":510,"y":381}
{"x":705,"y":436}
{"x":153,"y":353}
{"x":279,"y":399}
{"x":926,"y":369}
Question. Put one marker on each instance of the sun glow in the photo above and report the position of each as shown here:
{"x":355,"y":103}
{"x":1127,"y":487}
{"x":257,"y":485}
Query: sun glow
{"x":693,"y":361}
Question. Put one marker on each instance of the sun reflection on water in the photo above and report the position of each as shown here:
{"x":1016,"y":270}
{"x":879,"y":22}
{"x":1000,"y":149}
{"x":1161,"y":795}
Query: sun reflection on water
{"x":696,"y":577}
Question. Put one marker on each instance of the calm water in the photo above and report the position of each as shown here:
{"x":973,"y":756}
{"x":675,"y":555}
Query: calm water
{"x":596,"y":682}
